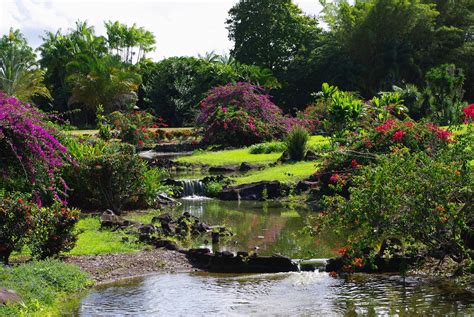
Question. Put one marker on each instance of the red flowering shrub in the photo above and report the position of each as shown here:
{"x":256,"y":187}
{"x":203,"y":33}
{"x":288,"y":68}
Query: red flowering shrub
{"x":239,"y":114}
{"x":16,"y":223}
{"x":30,"y":154}
{"x":361,"y":149}
{"x":134,"y":128}
{"x":53,"y":230}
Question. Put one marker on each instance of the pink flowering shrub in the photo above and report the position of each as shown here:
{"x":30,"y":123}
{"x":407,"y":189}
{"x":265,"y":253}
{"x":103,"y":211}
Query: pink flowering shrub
{"x":335,"y":175}
{"x":30,"y":153}
{"x":239,"y":114}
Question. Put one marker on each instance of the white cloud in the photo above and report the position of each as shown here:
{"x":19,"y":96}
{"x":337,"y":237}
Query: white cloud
{"x":181,"y":27}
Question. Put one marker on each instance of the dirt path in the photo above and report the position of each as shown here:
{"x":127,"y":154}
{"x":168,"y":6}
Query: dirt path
{"x":111,"y":267}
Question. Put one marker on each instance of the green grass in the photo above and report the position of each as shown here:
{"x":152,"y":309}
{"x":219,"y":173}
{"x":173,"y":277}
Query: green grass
{"x":236,"y":157}
{"x":42,"y":286}
{"x":94,"y":241}
{"x":285,"y":173}
{"x":229,"y":157}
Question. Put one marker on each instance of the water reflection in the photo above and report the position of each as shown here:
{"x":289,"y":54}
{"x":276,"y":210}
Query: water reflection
{"x":288,"y":294}
{"x":269,"y":226}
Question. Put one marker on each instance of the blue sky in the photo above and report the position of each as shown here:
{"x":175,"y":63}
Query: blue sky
{"x":181,"y":27}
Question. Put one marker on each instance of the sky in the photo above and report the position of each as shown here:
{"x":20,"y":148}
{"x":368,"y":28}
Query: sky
{"x":181,"y":27}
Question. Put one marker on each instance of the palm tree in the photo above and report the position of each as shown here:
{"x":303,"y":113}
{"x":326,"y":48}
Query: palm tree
{"x":102,"y":81}
{"x":19,"y":75}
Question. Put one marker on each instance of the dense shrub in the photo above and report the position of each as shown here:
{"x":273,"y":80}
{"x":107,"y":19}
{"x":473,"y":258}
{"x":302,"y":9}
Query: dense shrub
{"x":112,"y":179}
{"x":30,"y":154}
{"x":362,"y":148}
{"x":16,"y":223}
{"x":412,"y":196}
{"x":53,"y":230}
{"x":239,"y":114}
{"x":296,"y":143}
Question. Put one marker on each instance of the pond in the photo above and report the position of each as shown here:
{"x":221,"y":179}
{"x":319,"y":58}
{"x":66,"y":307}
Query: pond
{"x":283,"y":294}
{"x":270,"y":227}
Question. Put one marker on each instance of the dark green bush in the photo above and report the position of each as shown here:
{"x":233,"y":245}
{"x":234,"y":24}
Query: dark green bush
{"x":296,"y":143}
{"x":112,"y":179}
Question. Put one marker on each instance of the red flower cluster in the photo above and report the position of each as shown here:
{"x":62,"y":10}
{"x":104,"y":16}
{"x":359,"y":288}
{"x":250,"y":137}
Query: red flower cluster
{"x":386,"y":126}
{"x":440,"y":133}
{"x":398,"y":135}
{"x":469,"y":112}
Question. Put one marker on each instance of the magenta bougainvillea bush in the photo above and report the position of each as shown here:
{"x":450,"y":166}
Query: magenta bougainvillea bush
{"x":239,"y":114}
{"x":30,"y":153}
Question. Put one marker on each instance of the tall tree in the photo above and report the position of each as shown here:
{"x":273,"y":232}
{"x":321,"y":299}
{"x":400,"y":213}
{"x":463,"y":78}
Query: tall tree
{"x":19,"y":73}
{"x":130,"y":43}
{"x":270,"y":33}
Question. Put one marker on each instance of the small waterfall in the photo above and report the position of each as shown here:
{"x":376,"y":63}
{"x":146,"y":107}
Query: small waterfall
{"x":193,"y":188}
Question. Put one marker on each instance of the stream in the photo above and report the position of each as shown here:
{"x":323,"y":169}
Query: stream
{"x":268,"y":228}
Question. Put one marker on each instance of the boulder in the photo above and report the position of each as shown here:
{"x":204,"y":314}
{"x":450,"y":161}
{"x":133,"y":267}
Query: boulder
{"x":305,"y":185}
{"x":253,"y":191}
{"x":110,"y":219}
{"x":244,"y":167}
{"x":311,"y":156}
{"x":8,"y":297}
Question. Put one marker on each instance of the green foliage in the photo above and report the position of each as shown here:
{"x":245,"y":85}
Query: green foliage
{"x":213,"y":189}
{"x":270,"y":33}
{"x":19,"y":74}
{"x":296,"y":143}
{"x":42,"y":285}
{"x":130,"y":43}
{"x":267,"y":147}
{"x":53,"y":231}
{"x":153,"y":185}
{"x":444,"y":88}
{"x":110,"y":180}
{"x":412,"y":196}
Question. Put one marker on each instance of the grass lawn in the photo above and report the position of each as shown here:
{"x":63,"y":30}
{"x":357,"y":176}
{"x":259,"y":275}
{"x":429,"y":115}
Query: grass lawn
{"x":236,"y":157}
{"x":94,"y":241}
{"x":286,"y":173}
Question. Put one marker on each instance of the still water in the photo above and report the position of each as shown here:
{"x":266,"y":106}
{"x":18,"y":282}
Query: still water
{"x":271,"y":228}
{"x":288,"y":294}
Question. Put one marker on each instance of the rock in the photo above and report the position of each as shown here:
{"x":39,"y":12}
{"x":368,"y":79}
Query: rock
{"x":167,"y":244}
{"x":305,"y":185}
{"x":8,"y":297}
{"x":253,"y":191}
{"x":110,"y":219}
{"x":311,"y":156}
{"x":244,"y":167}
{"x":285,"y":157}
{"x":146,"y":231}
